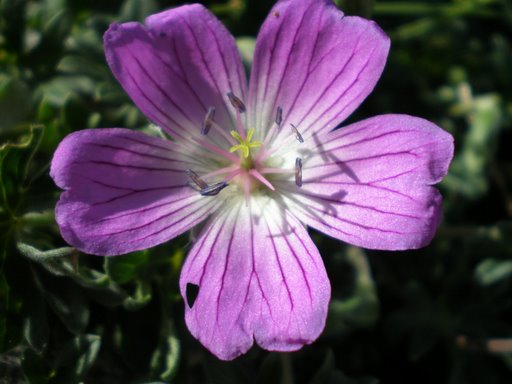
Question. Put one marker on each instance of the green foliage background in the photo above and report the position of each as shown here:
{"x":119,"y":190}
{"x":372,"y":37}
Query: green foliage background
{"x":442,"y":314}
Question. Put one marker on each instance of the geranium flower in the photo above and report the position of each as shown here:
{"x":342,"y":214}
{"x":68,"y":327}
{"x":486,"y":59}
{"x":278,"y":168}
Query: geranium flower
{"x":256,"y":162}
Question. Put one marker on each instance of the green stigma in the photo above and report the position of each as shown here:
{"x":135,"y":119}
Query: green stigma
{"x":244,"y":145}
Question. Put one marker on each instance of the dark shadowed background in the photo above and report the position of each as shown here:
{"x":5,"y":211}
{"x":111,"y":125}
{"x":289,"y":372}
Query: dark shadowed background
{"x":442,"y":314}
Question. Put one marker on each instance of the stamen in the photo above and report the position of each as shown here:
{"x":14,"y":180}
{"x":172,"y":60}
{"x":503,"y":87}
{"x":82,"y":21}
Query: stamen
{"x":279,"y":117}
{"x":297,"y":134}
{"x":214,"y":189}
{"x":196,"y":179}
{"x":208,"y":121}
{"x":236,"y":102}
{"x":298,"y":172}
{"x":272,"y":133}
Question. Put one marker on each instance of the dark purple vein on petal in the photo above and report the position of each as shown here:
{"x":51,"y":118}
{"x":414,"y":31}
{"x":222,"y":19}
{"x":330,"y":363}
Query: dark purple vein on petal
{"x":329,"y":85}
{"x":269,"y":66}
{"x":306,"y":78}
{"x":159,"y":218}
{"x":223,"y":59}
{"x":149,"y":143}
{"x":288,"y":58}
{"x":203,"y":211}
{"x":207,"y":67}
{"x":129,"y":166}
{"x":255,"y":273}
{"x":154,"y":220}
{"x":347,"y":104}
{"x":362,"y":206}
{"x":333,"y":104}
{"x":210,"y":226}
{"x":131,"y":151}
{"x":185,"y":73}
{"x":131,"y":193}
{"x":276,"y":255}
{"x":366,"y":158}
{"x":333,"y":80}
{"x":369,"y":185}
{"x":160,"y":111}
{"x":226,"y":263}
{"x":217,"y":235}
{"x":143,"y":210}
{"x":362,"y":226}
{"x":164,"y":93}
{"x":366,"y":140}
{"x":299,"y":263}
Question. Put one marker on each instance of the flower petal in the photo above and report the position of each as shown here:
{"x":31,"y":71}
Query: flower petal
{"x":175,"y":68}
{"x":124,"y":191}
{"x":370,"y":184}
{"x":260,"y":277}
{"x":315,"y":63}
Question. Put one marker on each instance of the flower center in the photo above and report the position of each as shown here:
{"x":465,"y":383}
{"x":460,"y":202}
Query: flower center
{"x":244,"y":146}
{"x":246,"y":173}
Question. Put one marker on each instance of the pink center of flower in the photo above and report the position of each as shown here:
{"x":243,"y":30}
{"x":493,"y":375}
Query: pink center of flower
{"x":248,"y":159}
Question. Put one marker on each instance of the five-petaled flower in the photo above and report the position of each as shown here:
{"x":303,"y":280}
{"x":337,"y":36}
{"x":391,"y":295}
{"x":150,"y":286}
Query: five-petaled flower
{"x":256,"y":161}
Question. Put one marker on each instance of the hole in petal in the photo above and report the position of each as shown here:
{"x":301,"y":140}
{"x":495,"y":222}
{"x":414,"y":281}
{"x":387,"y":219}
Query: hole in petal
{"x":191,"y":291}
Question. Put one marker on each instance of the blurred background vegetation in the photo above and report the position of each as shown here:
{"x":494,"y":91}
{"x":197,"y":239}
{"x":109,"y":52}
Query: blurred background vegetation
{"x":442,"y":314}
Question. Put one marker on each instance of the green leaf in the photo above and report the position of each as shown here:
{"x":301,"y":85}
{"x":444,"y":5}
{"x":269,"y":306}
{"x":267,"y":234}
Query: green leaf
{"x":16,"y":158}
{"x":59,"y":262}
{"x":222,"y":372}
{"x":362,"y":8}
{"x":270,"y":370}
{"x":324,"y":374}
{"x":361,"y":308}
{"x":4,"y":308}
{"x":59,"y":89}
{"x":469,"y":176}
{"x":35,"y":328}
{"x":35,"y":368}
{"x":82,"y":65}
{"x":76,"y":357}
{"x":123,"y":269}
{"x":165,"y":360}
{"x":492,"y":271}
{"x":133,"y":10}
{"x":140,"y":298}
{"x":15,"y":104}
{"x":246,"y":46}
{"x":42,"y":256}
{"x":329,"y":374}
{"x":66,"y":299}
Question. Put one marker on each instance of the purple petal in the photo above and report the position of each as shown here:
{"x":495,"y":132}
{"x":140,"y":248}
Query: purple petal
{"x":370,"y":184}
{"x":315,"y":63}
{"x":124,"y":191}
{"x":175,"y":68}
{"x":260,"y":277}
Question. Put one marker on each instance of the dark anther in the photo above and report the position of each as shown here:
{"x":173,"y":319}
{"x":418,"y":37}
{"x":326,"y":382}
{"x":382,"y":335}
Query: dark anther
{"x":236,"y":102}
{"x":297,"y":134}
{"x":196,"y":179}
{"x":163,"y":34}
{"x":213,"y":189}
{"x":298,"y":172}
{"x":279,"y":116}
{"x":191,"y":292}
{"x":208,"y":121}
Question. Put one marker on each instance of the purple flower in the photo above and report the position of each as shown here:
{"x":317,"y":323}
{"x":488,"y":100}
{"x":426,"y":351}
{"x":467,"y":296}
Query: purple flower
{"x":256,"y":161}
